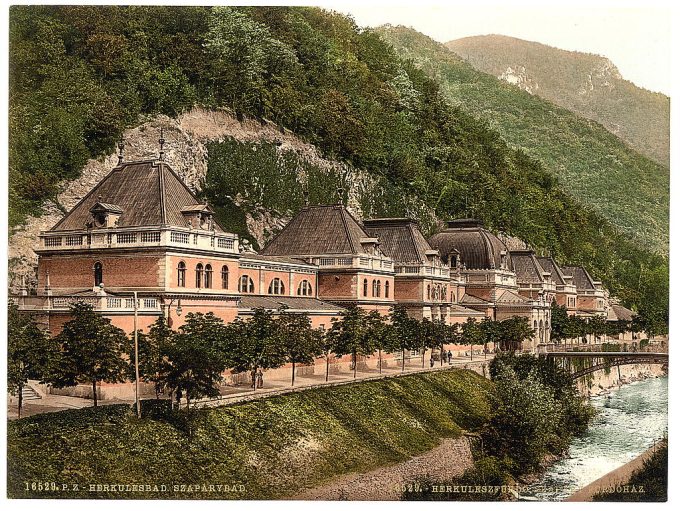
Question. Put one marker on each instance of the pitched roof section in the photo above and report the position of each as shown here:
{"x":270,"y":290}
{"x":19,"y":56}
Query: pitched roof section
{"x":147,"y":192}
{"x":582,"y":279}
{"x":619,"y":312}
{"x":318,"y":230}
{"x":295,"y":303}
{"x":400,"y":239}
{"x":549,"y":264}
{"x":527,"y":267}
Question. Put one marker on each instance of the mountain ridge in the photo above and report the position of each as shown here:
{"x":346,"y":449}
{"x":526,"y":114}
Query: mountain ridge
{"x":585,"y":83}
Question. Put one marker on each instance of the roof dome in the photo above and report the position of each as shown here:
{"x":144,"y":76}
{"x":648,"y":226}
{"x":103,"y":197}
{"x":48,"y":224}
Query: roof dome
{"x":476,"y":247}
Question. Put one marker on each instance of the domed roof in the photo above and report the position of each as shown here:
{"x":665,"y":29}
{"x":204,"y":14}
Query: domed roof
{"x":478,"y":249}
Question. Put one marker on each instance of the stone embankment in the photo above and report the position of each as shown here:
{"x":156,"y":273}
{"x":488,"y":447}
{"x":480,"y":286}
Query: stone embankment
{"x":600,"y":382}
{"x":446,"y":461}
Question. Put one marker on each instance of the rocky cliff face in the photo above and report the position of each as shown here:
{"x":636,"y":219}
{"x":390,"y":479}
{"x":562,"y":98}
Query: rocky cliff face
{"x":186,"y":152}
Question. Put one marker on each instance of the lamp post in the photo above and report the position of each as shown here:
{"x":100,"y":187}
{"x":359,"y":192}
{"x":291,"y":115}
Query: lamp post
{"x":139,"y":410}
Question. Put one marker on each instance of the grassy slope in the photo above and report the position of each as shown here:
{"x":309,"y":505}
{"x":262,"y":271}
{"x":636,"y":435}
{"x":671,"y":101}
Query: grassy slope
{"x":636,"y":115}
{"x":591,"y":163}
{"x":272,"y":446}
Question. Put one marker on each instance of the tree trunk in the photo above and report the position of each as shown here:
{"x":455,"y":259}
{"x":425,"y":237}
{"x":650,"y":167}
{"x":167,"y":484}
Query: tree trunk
{"x":441,"y":357}
{"x":328,"y":364}
{"x":403,"y":359}
{"x":21,"y":398}
{"x":424,"y":350}
{"x":380,"y":360}
{"x":188,"y":403}
{"x":292,"y":381}
{"x":355,"y":364}
{"x":254,"y":378}
{"x":94,"y":391}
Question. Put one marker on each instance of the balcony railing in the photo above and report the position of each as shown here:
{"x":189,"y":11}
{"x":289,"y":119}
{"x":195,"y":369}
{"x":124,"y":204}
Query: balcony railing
{"x":351,"y":261}
{"x":177,"y":237}
{"x":98,"y":303}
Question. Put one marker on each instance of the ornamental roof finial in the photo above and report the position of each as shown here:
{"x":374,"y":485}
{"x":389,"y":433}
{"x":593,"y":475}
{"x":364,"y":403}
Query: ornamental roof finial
{"x":161,"y":141}
{"x":121,"y":146}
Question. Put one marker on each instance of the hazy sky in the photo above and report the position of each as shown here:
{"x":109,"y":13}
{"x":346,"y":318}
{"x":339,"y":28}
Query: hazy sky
{"x":637,"y":39}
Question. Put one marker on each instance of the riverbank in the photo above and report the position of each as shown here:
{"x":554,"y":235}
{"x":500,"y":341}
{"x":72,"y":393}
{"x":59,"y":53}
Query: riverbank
{"x":602,"y":382}
{"x":615,"y":480}
{"x":264,"y":449}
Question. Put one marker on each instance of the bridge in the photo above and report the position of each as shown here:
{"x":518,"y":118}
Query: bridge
{"x":606,"y":359}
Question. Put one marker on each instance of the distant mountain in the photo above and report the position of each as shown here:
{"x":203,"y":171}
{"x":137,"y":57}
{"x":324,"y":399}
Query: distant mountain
{"x":587,"y":84}
{"x":596,"y":167}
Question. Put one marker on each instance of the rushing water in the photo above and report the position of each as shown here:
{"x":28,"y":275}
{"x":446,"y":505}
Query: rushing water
{"x":628,"y":422}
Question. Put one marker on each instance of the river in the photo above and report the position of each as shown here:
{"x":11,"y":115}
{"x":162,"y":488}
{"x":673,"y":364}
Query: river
{"x":628,"y":421}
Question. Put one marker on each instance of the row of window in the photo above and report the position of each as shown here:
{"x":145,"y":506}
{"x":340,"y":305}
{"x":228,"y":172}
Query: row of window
{"x":203,"y":274}
{"x":376,"y":289}
{"x":204,"y":278}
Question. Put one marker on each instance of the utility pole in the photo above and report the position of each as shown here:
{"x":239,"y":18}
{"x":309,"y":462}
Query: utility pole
{"x":139,"y":410}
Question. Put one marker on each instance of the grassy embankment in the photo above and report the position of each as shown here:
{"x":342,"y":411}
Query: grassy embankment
{"x":272,"y":447}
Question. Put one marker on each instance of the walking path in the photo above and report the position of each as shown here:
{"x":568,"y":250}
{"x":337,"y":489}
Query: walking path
{"x":446,"y":461}
{"x":239,"y":393}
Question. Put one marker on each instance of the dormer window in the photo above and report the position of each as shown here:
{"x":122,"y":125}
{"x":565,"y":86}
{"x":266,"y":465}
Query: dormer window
{"x":105,"y":215}
{"x":199,"y":216}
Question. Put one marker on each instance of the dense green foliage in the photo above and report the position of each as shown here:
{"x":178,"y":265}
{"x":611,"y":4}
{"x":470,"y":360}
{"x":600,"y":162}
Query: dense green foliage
{"x":30,"y":352}
{"x":602,"y":172}
{"x":80,"y":74}
{"x":536,"y":410}
{"x":583,"y":83}
{"x":652,"y":479}
{"x":274,"y":447}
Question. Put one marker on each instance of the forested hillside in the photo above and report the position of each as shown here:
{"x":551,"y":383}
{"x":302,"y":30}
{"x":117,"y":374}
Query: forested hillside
{"x":592,"y":164}
{"x":79,"y":75}
{"x":587,"y":84}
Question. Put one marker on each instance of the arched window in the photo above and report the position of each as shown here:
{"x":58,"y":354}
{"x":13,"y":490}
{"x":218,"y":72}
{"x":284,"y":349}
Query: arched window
{"x":181,"y":274}
{"x":535,"y":325}
{"x":199,"y":275}
{"x":365,"y":287}
{"x":98,"y":273}
{"x":245,"y":284}
{"x":276,"y":287}
{"x":387,"y":289}
{"x":208,"y":276}
{"x":225,"y":277}
{"x":305,"y":288}
{"x":375,"y":289}
{"x":378,"y":289}
{"x":428,"y":292}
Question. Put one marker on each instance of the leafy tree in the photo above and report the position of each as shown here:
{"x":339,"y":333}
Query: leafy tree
{"x":153,"y":352}
{"x":349,"y":334}
{"x":515,"y":330}
{"x":197,"y":355}
{"x":258,"y":343}
{"x":92,"y":351}
{"x":492,"y":332}
{"x":302,"y":343}
{"x":30,"y":352}
{"x":471,"y":333}
{"x":405,"y":331}
{"x":559,"y":322}
{"x":379,"y":334}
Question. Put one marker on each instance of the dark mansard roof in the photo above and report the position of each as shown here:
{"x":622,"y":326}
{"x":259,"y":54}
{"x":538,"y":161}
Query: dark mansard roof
{"x":619,"y":312}
{"x":549,"y":264}
{"x":527,"y":267}
{"x":318,"y":230}
{"x":400,"y":239}
{"x":144,"y":193}
{"x":582,"y":279}
{"x":479,"y":249}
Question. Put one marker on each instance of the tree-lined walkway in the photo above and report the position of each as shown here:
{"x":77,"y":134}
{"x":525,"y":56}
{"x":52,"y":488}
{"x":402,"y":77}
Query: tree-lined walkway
{"x":273,"y":385}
